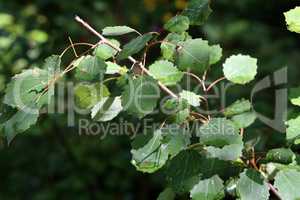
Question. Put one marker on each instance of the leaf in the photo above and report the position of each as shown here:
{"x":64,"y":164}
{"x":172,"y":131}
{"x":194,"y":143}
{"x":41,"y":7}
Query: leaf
{"x":222,"y":139}
{"x":52,"y":63}
{"x":240,"y":69}
{"x":165,"y":72}
{"x":244,"y":120}
{"x":104,"y":51}
{"x":178,"y":24}
{"x":295,"y":96}
{"x":292,"y":18}
{"x":252,"y":185}
{"x":215,"y":54}
{"x":280,"y":155}
{"x":90,"y":68}
{"x":87,"y":95}
{"x":168,"y":141}
{"x":288,"y":183}
{"x":196,"y":55}
{"x":168,"y":46}
{"x":198,"y":11}
{"x":107,"y":109}
{"x":25,"y":88}
{"x":208,"y":189}
{"x":20,"y":122}
{"x":192,"y":98}
{"x":117,"y":30}
{"x":140,"y":96}
{"x":134,"y":46}
{"x":113,"y":68}
{"x":293,"y":129}
{"x":167,"y":194}
{"x":150,"y":157}
{"x":238,"y":107}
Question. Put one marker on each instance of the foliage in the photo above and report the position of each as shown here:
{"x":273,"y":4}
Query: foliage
{"x":194,"y":162}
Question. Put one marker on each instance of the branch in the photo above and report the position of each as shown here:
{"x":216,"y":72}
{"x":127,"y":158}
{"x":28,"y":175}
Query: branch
{"x":104,"y":40}
{"x":214,"y":83}
{"x":273,"y":189}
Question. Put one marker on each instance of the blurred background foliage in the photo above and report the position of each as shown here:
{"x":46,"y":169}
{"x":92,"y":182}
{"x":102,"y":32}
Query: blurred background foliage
{"x":52,"y":161}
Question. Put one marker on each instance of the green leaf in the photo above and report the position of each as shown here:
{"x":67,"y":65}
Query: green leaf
{"x":87,"y":95}
{"x":178,"y":24}
{"x":292,"y":18}
{"x":90,"y":68}
{"x":168,"y":47}
{"x":295,"y":96}
{"x":52,"y":63}
{"x":244,"y":120}
{"x":222,"y":139}
{"x":196,"y":55}
{"x":215,"y":54}
{"x":20,"y":122}
{"x":167,"y":194}
{"x":288,"y":183}
{"x":192,"y":98}
{"x":252,"y":185}
{"x":140,"y":96}
{"x":25,"y":88}
{"x":134,"y":46}
{"x":208,"y":189}
{"x":165,"y":72}
{"x":240,"y":69}
{"x":293,"y":130}
{"x":198,"y":11}
{"x":104,"y":51}
{"x":150,"y":157}
{"x":113,"y":68}
{"x":117,"y":30}
{"x":238,"y":107}
{"x":106,"y":109}
{"x":280,"y":155}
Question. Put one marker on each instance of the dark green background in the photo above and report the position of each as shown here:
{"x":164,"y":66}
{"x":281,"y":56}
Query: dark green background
{"x":51,"y":161}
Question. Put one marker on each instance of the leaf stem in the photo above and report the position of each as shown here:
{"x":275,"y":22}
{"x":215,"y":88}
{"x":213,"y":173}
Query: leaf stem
{"x":214,"y":83}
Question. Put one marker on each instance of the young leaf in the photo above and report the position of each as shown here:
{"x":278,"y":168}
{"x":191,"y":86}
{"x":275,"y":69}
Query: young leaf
{"x":117,"y":30}
{"x":106,"y":109}
{"x":197,"y":11}
{"x":104,"y":51}
{"x":240,"y":69}
{"x":288,"y":183}
{"x":167,"y":194}
{"x":134,"y":46}
{"x":165,"y":72}
{"x":20,"y":122}
{"x":178,"y":24}
{"x":192,"y":98}
{"x":90,"y":68}
{"x":87,"y":95}
{"x":208,"y":189}
{"x":252,"y":185}
{"x":140,"y":96}
{"x":215,"y":54}
{"x":52,"y":63}
{"x":292,"y":18}
{"x":293,"y":130}
{"x":168,"y":47}
{"x":238,"y":107}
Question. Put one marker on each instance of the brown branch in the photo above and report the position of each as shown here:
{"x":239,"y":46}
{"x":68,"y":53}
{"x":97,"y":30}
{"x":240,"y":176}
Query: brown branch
{"x":214,"y":83}
{"x":275,"y":192}
{"x":104,"y":40}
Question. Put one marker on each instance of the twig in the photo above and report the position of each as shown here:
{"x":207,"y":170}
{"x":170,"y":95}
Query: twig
{"x":214,"y":83}
{"x":104,"y":40}
{"x":273,"y":189}
{"x":73,"y":47}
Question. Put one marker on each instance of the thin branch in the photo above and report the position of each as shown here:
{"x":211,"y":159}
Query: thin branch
{"x":75,"y":44}
{"x":74,"y":50}
{"x":201,"y":82}
{"x":275,"y":192}
{"x":214,"y":83}
{"x":103,"y":39}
